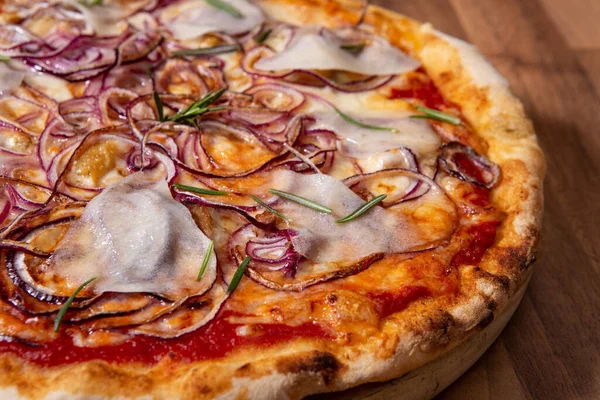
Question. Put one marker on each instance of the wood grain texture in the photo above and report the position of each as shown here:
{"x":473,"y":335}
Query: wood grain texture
{"x":549,"y":50}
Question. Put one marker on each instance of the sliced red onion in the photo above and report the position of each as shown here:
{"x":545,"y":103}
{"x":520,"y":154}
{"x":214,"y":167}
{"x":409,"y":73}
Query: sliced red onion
{"x":197,"y":77}
{"x":54,"y":40}
{"x":21,"y":201}
{"x":24,"y":247}
{"x":82,"y":59}
{"x":270,"y":250}
{"x":199,"y":156}
{"x":45,"y":219}
{"x":465,"y":163}
{"x":408,"y":185}
{"x":284,"y":269}
{"x":277,"y":97}
{"x":113,"y":104}
{"x":193,"y":314}
{"x":133,"y":77}
{"x":81,"y":112}
{"x":138,"y":46}
{"x":15,"y":141}
{"x":15,"y":40}
{"x":111,"y":304}
{"x":57,"y":137}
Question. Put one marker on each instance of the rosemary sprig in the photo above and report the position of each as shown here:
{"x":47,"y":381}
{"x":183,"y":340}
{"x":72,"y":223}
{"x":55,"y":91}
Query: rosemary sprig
{"x":198,"y":108}
{"x":208,"y":192}
{"x":362,"y":209}
{"x":209,"y":251}
{"x":159,"y":107}
{"x":207,"y":51}
{"x":65,"y":307}
{"x":224,"y":6}
{"x":269,"y":208}
{"x":91,"y":3}
{"x":237,"y":277}
{"x":429,"y":113}
{"x":354,"y":48}
{"x":362,"y":125}
{"x":301,"y":200}
{"x":4,"y":58}
{"x":262,"y":36}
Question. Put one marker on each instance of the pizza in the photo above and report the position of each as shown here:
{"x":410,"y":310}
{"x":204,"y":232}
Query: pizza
{"x":253,"y":199}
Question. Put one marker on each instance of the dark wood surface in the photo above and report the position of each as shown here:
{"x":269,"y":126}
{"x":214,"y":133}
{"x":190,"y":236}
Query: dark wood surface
{"x":549,"y":50}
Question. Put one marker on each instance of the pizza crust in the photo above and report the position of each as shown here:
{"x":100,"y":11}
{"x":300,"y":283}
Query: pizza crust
{"x":306,"y":366}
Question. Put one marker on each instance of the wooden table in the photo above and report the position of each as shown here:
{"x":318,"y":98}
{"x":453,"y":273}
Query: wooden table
{"x":550,"y":52}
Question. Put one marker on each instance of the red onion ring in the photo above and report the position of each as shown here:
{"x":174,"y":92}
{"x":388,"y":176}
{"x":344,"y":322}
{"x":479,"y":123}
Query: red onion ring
{"x":138,"y":45}
{"x":465,"y":163}
{"x":419,"y":186}
{"x":84,"y":58}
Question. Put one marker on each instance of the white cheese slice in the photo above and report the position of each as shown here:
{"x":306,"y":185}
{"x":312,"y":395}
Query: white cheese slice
{"x":104,"y":20}
{"x":320,"y":239}
{"x":195,"y":18}
{"x":135,"y":238}
{"x":359,"y":142}
{"x":310,"y":50}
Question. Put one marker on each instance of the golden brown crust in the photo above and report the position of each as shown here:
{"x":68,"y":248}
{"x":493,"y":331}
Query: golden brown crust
{"x":402,"y":344}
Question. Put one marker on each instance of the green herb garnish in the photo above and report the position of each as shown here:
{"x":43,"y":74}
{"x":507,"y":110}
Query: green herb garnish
{"x":429,"y":113}
{"x":198,"y":108}
{"x":207,"y":51}
{"x":224,"y":6}
{"x":91,"y":3}
{"x":301,"y":200}
{"x":209,"y":251}
{"x":237,"y":277}
{"x":362,"y":209}
{"x":366,"y":126}
{"x":269,"y":208}
{"x":4,"y":58}
{"x":263,"y":35}
{"x":159,"y":107}
{"x":65,"y":307}
{"x":354,"y":48}
{"x":208,"y":192}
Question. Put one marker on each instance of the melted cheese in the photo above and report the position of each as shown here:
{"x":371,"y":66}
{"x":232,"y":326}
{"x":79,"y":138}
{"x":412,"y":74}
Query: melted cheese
{"x":320,"y":239}
{"x":9,"y":78}
{"x":310,"y":50}
{"x":135,"y":238}
{"x":195,"y":18}
{"x":52,"y":86}
{"x":482,"y":72}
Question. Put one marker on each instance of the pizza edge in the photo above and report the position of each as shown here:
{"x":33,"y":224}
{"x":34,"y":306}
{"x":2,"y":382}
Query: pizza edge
{"x":311,"y":366}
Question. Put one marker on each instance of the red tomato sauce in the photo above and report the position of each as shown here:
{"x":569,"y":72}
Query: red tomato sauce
{"x":481,"y":237}
{"x":216,"y":339}
{"x":392,"y":302}
{"x":479,"y":196}
{"x":467,"y":166}
{"x":428,"y":93}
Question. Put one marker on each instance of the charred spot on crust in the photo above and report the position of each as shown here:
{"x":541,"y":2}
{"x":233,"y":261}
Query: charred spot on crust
{"x":436,"y":331}
{"x":322,"y":363}
{"x":331,"y":298}
{"x":442,"y":323}
{"x":244,"y":371}
{"x":487,"y":319}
